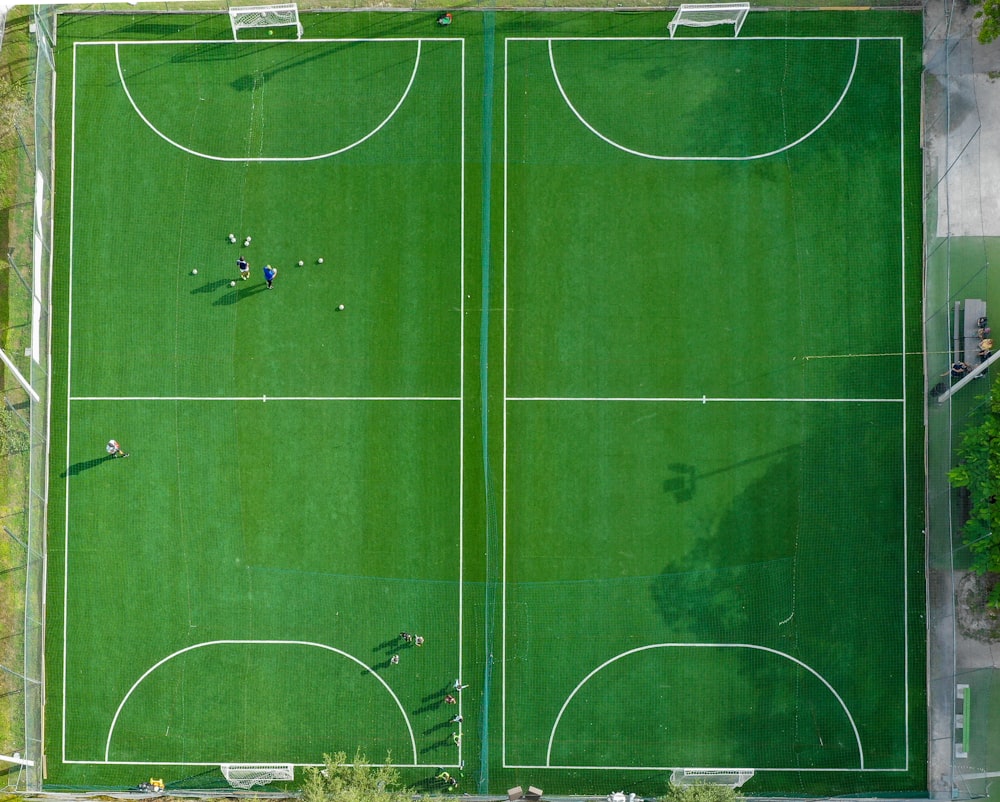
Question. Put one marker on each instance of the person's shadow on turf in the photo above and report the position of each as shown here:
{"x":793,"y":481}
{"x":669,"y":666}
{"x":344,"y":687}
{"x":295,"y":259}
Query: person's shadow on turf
{"x":238,"y":294}
{"x":428,"y":708}
{"x":211,"y":286}
{"x":438,"y":695}
{"x":79,"y":467}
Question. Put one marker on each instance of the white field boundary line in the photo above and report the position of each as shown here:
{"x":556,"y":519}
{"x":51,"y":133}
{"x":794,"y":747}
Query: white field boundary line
{"x":503,"y":457}
{"x":461,"y":416}
{"x":704,"y":399}
{"x":438,"y":765}
{"x":906,"y":478}
{"x":662,"y":157}
{"x":263,"y":398}
{"x":843,"y":770}
{"x":266,"y":398}
{"x":766,"y":649}
{"x":346,"y":40}
{"x":311,"y":644}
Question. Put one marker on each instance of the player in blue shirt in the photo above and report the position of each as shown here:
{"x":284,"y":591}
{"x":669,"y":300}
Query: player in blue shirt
{"x":244,"y":267}
{"x":269,"y":274}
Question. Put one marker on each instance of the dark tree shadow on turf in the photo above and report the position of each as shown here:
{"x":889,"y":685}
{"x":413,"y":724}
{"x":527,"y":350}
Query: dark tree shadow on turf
{"x":79,"y":467}
{"x":682,"y":485}
{"x":253,"y":80}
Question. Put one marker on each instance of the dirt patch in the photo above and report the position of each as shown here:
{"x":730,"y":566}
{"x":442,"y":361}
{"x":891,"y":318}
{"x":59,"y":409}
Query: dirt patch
{"x":975,"y":619}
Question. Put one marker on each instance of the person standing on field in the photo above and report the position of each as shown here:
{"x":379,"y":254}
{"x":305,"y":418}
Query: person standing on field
{"x":269,"y":274}
{"x":114,"y":449}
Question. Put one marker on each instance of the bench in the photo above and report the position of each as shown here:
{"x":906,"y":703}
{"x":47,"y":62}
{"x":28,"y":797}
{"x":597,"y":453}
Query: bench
{"x":963,"y":699}
{"x":974,"y":310}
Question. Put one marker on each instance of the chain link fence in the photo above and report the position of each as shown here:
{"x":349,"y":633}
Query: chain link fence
{"x":26,"y":230}
{"x":961,"y":111}
{"x":961,"y":239}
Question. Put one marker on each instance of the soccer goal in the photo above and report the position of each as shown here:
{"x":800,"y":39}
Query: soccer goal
{"x":246,"y":775}
{"x":732,"y":778}
{"x":282,"y":14}
{"x":701,"y":15}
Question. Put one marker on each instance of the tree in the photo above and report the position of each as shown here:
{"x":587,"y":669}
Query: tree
{"x":978,"y":470}
{"x":990,"y":15}
{"x":357,"y":781}
{"x":702,"y":792}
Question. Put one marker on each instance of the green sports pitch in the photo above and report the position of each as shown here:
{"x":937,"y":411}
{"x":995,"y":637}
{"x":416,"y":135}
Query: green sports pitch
{"x":592,"y":358}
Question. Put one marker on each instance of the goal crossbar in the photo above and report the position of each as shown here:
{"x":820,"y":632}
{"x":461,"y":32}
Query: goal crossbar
{"x":701,"y":15}
{"x":247,"y":775}
{"x":268,"y":16}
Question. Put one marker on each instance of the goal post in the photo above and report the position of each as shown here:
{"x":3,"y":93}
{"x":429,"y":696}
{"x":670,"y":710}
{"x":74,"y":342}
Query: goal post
{"x":247,"y":775}
{"x":732,"y":778}
{"x":701,"y":15}
{"x":272,"y":16}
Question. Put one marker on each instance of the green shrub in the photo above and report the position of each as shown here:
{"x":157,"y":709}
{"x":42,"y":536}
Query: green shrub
{"x":978,"y":470}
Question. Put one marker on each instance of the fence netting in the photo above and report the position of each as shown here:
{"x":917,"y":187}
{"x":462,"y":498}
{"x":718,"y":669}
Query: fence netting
{"x":26,"y":232}
{"x":961,"y":237}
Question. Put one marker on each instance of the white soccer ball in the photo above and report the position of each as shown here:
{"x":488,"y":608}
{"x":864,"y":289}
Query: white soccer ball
{"x":340,"y":308}
{"x":301,"y":263}
{"x":194,"y":272}
{"x":249,"y":238}
{"x":319,"y":261}
{"x":232,"y":283}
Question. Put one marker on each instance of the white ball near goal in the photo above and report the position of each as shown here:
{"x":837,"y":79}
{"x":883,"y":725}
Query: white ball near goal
{"x":232,"y":283}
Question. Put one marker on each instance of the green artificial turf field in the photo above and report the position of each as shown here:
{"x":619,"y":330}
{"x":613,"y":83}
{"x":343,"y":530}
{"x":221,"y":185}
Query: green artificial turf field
{"x":621,"y":414}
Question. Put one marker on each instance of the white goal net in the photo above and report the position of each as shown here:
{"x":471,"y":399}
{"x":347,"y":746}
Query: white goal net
{"x":274,"y":16}
{"x":701,"y":15}
{"x":247,"y":775}
{"x":733,"y":778}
